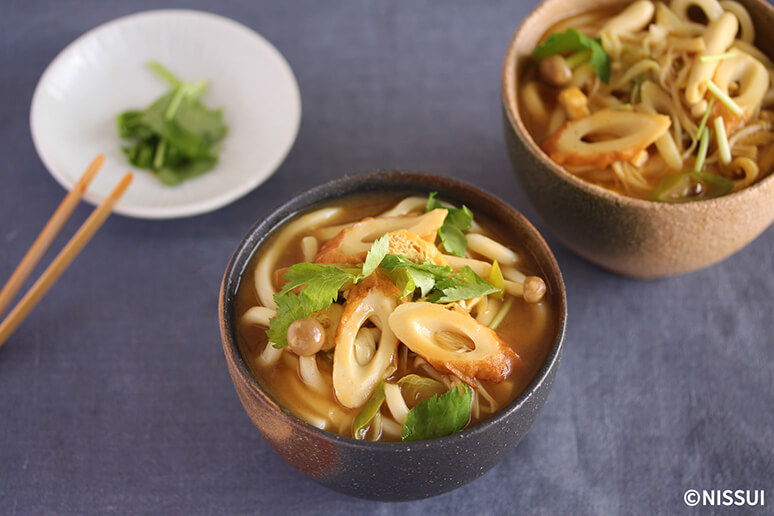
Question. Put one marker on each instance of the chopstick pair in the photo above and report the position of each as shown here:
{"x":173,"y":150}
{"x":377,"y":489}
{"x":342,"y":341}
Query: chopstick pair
{"x":65,"y":256}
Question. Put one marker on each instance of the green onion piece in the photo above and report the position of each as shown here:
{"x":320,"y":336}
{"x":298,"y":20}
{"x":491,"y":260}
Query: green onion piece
{"x":416,"y":389}
{"x":496,"y":279}
{"x":704,"y":119}
{"x":702,"y":154}
{"x":368,"y":412}
{"x":722,"y":139}
{"x":620,"y":107}
{"x":672,"y":188}
{"x":725,"y":99}
{"x":498,"y":319}
{"x":717,"y":185}
{"x":578,"y":58}
{"x":717,"y":57}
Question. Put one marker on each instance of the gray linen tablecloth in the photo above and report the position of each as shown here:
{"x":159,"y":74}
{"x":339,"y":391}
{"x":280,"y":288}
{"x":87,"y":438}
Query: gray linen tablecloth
{"x":114,"y":394}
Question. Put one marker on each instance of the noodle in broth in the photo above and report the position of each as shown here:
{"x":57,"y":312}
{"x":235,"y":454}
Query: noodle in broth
{"x":685,"y":115}
{"x":313,"y":387}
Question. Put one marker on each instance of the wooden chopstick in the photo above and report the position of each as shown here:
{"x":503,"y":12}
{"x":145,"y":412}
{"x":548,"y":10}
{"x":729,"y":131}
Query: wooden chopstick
{"x":47,"y":234}
{"x":63,"y":259}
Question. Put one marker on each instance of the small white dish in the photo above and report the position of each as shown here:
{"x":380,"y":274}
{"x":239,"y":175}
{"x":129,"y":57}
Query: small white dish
{"x":105,"y":72}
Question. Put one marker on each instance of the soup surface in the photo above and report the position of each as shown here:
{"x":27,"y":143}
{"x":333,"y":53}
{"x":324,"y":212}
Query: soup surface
{"x":668,"y":102}
{"x":407,"y":350}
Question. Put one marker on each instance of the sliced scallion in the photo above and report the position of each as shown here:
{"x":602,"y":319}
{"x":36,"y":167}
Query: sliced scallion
{"x":724,"y":98}
{"x":360,"y":425}
{"x":722,"y":139}
{"x":704,"y":119}
{"x":701,"y":155}
{"x":498,"y":319}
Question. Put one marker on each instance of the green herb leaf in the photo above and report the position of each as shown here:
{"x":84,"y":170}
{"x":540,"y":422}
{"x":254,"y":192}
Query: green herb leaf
{"x":465,"y":284}
{"x":289,"y":309}
{"x":323,"y":283}
{"x":438,"y":283}
{"x":375,"y":256}
{"x":367,"y":413}
{"x":422,"y":276}
{"x":439,"y":416}
{"x":573,"y":41}
{"x":456,"y":222}
{"x":175,"y":136}
{"x":453,"y":240}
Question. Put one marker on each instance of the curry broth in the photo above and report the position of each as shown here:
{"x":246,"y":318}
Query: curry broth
{"x":590,"y":22}
{"x":283,"y":382}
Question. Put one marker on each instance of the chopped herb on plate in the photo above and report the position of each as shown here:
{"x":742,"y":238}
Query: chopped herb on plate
{"x":176,"y":136}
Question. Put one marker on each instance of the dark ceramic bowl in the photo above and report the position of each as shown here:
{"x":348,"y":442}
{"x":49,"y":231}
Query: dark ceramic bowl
{"x":633,"y":237}
{"x":391,"y":471}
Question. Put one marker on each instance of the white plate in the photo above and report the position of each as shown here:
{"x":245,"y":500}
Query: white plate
{"x":104,"y":72}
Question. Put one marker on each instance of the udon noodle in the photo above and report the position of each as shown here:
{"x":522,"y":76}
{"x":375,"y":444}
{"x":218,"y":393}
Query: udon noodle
{"x":686,"y":112}
{"x":381,"y":339}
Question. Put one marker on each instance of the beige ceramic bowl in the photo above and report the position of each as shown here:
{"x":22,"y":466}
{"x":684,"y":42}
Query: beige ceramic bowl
{"x":629,"y":236}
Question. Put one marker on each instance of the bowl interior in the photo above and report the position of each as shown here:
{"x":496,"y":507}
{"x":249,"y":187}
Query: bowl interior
{"x":526,"y":38}
{"x":393,"y":182}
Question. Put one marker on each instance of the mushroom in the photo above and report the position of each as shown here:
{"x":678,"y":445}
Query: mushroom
{"x":534,"y":289}
{"x":554,"y":71}
{"x":306,"y":336}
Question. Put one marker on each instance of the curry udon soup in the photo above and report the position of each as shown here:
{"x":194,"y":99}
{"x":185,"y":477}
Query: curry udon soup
{"x":389,"y":319}
{"x":662,"y":101}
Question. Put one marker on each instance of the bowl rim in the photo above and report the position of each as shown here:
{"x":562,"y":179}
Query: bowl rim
{"x":408,"y":181}
{"x":510,"y":105}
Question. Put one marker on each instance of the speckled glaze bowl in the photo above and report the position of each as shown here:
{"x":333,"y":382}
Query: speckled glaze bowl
{"x":637,"y":238}
{"x":391,"y":471}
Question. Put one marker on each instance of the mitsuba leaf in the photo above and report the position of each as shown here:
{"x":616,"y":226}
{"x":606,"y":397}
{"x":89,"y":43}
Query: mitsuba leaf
{"x":422,"y":276}
{"x":456,"y":222}
{"x":465,"y":284}
{"x":375,"y":256}
{"x":439,"y":416}
{"x":322,"y":284}
{"x":176,"y":136}
{"x":573,"y":41}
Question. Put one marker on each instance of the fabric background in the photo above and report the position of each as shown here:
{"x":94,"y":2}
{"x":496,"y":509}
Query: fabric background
{"x":114,"y":393}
